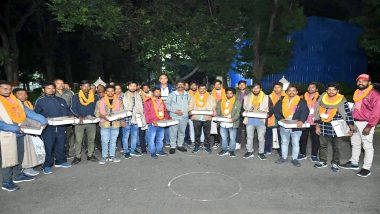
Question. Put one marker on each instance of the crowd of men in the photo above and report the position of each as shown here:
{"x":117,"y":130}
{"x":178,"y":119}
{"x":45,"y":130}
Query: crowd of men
{"x":139,"y":133}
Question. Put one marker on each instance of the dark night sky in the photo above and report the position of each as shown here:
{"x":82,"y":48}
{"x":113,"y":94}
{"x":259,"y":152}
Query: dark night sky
{"x":336,"y":9}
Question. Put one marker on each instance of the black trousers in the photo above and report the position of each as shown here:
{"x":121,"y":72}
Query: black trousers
{"x":142,"y":138}
{"x":198,"y":126}
{"x":54,"y":138}
{"x":315,"y":144}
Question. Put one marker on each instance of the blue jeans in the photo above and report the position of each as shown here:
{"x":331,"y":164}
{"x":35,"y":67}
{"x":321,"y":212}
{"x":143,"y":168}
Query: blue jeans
{"x":285,"y":135}
{"x":155,"y":137}
{"x":228,"y":134}
{"x":109,"y":137}
{"x":133,"y":131}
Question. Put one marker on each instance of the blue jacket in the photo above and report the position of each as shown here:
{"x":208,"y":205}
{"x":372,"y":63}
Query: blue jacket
{"x":52,"y":106}
{"x":14,"y":127}
{"x":80,"y":110}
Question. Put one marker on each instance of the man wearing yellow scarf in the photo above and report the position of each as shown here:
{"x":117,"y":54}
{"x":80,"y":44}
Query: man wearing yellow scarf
{"x":83,"y":105}
{"x":12,"y":115}
{"x":366,"y":114}
{"x":331,"y":106}
{"x":218,"y":93}
{"x":271,"y":134}
{"x":311,"y":97}
{"x":229,"y":107}
{"x":291,"y":107}
{"x":256,"y":101}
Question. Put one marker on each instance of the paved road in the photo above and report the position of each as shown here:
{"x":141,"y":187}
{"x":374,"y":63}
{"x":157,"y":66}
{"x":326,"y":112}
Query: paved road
{"x":140,"y":185}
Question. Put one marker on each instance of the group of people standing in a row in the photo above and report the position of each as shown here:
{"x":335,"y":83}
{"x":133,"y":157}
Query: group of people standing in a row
{"x":140,"y":134}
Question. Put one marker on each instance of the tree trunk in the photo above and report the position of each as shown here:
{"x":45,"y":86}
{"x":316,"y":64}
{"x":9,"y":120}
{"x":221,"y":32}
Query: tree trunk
{"x":49,"y":65}
{"x":67,"y":57}
{"x":195,"y":70}
{"x":257,"y":71}
{"x":11,"y":50}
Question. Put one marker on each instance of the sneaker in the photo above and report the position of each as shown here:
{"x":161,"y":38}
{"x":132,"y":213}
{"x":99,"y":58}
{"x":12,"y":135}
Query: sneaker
{"x":262,"y":157}
{"x":232,"y":154}
{"x":115,"y":159}
{"x":127,"y":156}
{"x":248,"y":155}
{"x":23,"y":177}
{"x":76,"y":161}
{"x":280,"y":161}
{"x":144,"y":152}
{"x":162,"y":154}
{"x":223,"y":153}
{"x":93,"y":158}
{"x":320,"y":165}
{"x":296,"y":163}
{"x":167,"y":145}
{"x":135,"y":153}
{"x":238,"y":146}
{"x":69,"y":157}
{"x":154,"y":156}
{"x":314,"y":159}
{"x":10,"y":187}
{"x":267,"y":153}
{"x":181,"y":149}
{"x":102,"y":161}
{"x":63,"y":165}
{"x":47,"y":170}
{"x":301,"y":157}
{"x":196,"y":149}
{"x":171,"y":151}
{"x":334,"y":167}
{"x":122,"y":151}
{"x":364,"y":173}
{"x":349,"y":165}
{"x":31,"y":172}
{"x":215,"y":146}
{"x":208,"y":150}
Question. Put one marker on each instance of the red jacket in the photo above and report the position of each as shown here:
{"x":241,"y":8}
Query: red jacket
{"x":370,"y":109}
{"x":150,"y":116}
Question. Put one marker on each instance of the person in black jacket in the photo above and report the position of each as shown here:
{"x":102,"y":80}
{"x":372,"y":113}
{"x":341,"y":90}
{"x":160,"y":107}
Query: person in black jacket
{"x":291,"y":107}
{"x":54,"y":137}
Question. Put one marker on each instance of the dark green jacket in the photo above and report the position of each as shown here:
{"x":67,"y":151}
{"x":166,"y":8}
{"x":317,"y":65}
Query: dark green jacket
{"x":235,"y":115}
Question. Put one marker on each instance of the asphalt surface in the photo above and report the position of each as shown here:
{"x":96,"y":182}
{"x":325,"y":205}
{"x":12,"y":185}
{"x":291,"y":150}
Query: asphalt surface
{"x":201,"y":183}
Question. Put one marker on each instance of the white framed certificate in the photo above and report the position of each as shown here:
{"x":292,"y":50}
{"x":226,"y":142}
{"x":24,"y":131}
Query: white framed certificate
{"x":59,"y":121}
{"x":292,"y":124}
{"x":255,"y":114}
{"x":221,"y":119}
{"x":166,"y":123}
{"x":118,"y":115}
{"x":340,"y":127}
{"x":201,"y":112}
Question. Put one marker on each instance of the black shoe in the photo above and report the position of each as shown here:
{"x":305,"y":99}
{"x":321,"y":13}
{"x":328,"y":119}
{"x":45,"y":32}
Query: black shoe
{"x":223,"y":153}
{"x":232,"y":154}
{"x":182,"y":149}
{"x":208,"y":150}
{"x":171,"y":151}
{"x":334,"y":167}
{"x":144,"y":152}
{"x":196,"y":149}
{"x":76,"y":161}
{"x":127,"y":156}
{"x":248,"y":155}
{"x":320,"y":165}
{"x":280,"y":161}
{"x":349,"y":165}
{"x":262,"y":157}
{"x":93,"y":158}
{"x":364,"y":173}
{"x":296,"y":163}
{"x":162,"y":154}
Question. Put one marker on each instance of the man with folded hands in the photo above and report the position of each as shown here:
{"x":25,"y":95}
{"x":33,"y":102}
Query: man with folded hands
{"x":54,"y":137}
{"x":83,"y":105}
{"x":229,"y":107}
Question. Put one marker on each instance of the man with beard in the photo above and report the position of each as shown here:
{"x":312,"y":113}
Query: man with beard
{"x":241,"y":93}
{"x":54,"y":137}
{"x":218,"y":93}
{"x":291,"y":107}
{"x":256,"y":101}
{"x":178,"y":108}
{"x":132,"y":102}
{"x":366,"y":114}
{"x":331,"y":106}
{"x":311,"y":97}
{"x":12,"y":114}
{"x":83,"y":105}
